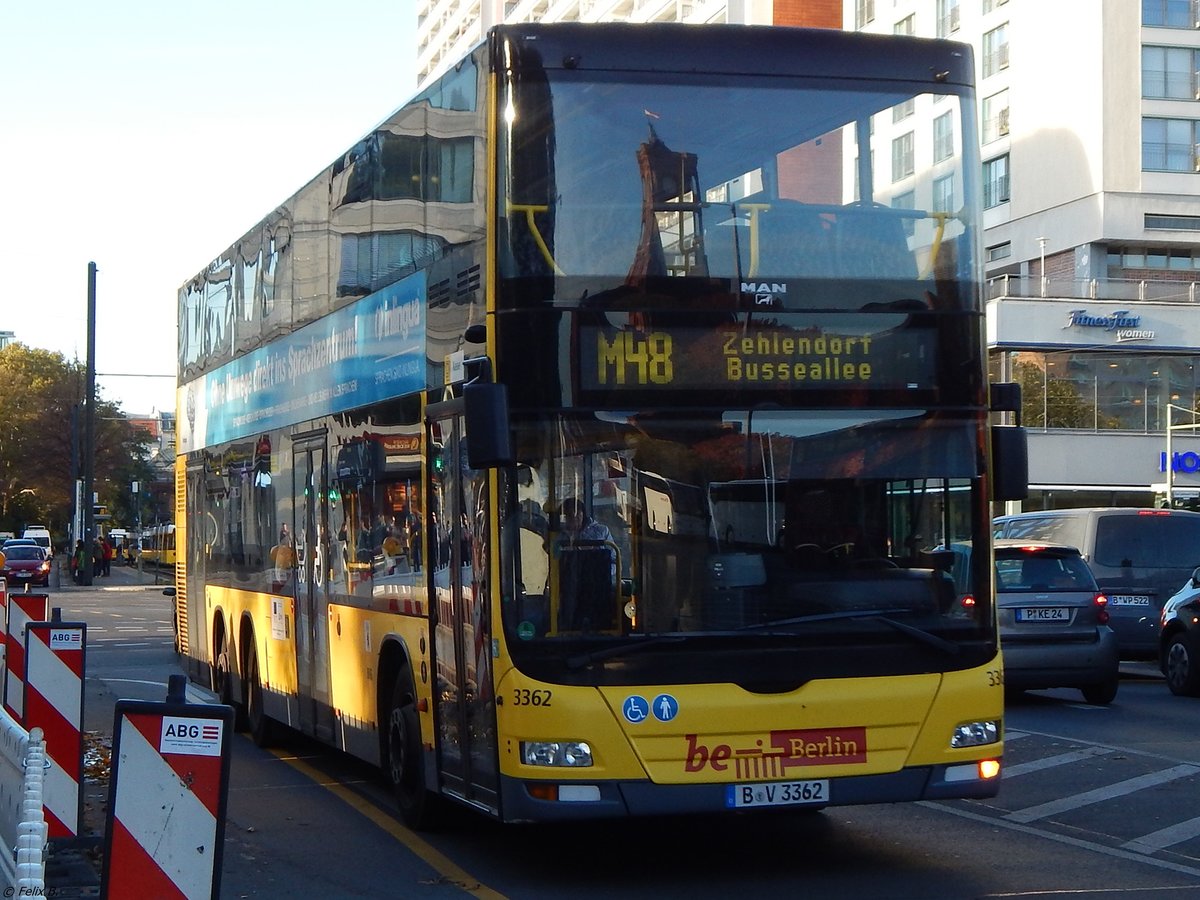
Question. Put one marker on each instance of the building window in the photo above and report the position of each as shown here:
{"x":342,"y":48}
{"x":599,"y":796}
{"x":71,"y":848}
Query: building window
{"x":943,"y":194}
{"x":907,"y":25}
{"x":864,"y":12}
{"x":1168,"y":145}
{"x":995,"y":50}
{"x":907,"y":200}
{"x":904,"y":110}
{"x":989,"y":5}
{"x":1122,"y":258}
{"x":995,"y":116}
{"x":902,"y":156}
{"x":1167,"y":13}
{"x":1171,"y":223}
{"x":1169,"y":73}
{"x":943,"y":137}
{"x":947,"y":17}
{"x":1000,"y":251}
{"x":995,"y":181}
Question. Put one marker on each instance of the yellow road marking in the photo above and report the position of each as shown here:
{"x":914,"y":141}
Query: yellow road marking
{"x":449,"y":870}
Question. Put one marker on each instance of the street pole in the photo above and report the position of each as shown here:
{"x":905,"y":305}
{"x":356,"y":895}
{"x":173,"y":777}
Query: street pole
{"x":1170,"y":468}
{"x":88,"y":461}
{"x":137,"y":503}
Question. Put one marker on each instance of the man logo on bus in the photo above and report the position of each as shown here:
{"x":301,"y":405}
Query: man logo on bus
{"x":765,"y":293}
{"x":784,"y":750}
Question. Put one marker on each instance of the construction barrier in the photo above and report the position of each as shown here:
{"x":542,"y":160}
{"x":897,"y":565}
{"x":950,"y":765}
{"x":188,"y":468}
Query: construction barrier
{"x":3,"y":622}
{"x":54,"y":666}
{"x":22,"y":826}
{"x":167,"y":798}
{"x":23,"y":607}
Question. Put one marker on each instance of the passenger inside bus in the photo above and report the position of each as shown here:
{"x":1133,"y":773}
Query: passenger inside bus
{"x":586,"y":568}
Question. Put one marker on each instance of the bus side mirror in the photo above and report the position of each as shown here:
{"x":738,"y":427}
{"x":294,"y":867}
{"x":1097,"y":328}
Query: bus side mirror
{"x":1010,"y":463}
{"x":489,"y":441}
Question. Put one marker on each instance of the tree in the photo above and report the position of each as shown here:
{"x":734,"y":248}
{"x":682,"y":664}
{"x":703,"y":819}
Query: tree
{"x":36,"y":439}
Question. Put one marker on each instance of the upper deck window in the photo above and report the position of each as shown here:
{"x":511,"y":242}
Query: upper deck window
{"x":750,"y":180}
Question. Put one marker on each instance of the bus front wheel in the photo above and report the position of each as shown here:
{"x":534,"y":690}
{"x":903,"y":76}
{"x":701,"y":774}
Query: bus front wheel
{"x":404,"y":759}
{"x":260,"y":725}
{"x":222,"y":684}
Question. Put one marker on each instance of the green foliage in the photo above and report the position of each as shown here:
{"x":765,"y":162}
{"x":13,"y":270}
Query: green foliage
{"x":42,"y":389}
{"x":1058,"y":399}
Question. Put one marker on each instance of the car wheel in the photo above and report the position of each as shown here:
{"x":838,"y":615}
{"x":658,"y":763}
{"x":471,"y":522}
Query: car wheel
{"x":1101,"y":694}
{"x":405,"y":760}
{"x":1181,"y":665}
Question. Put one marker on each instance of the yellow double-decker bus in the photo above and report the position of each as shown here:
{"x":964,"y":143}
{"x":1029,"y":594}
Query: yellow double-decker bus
{"x":584,"y":440}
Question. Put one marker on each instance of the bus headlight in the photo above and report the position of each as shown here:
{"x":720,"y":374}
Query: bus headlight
{"x":973,"y":734}
{"x":569,"y":754}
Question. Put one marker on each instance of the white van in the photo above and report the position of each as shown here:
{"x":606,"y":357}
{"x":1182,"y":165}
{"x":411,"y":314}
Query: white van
{"x":40,"y":534}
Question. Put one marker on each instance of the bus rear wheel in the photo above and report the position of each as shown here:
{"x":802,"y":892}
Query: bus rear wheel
{"x":404,"y":758}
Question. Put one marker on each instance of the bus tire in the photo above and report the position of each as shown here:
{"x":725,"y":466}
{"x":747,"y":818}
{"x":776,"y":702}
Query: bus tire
{"x":222,"y":684}
{"x":262,"y":729}
{"x":404,"y":759}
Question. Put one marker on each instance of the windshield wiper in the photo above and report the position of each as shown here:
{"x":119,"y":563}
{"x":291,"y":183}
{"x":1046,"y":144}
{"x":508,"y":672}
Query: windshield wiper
{"x":872,"y":615}
{"x":631,"y":645}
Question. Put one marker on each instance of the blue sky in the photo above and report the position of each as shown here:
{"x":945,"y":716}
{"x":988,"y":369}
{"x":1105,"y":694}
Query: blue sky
{"x":148,"y":136}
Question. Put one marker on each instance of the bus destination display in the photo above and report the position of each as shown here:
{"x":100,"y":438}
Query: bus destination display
{"x":812,"y":355}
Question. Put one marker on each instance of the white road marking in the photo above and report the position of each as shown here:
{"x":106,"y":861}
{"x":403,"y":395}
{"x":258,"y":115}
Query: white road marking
{"x":1108,"y":792}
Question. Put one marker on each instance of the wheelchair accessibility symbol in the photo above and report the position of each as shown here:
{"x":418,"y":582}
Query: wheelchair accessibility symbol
{"x":635,"y":709}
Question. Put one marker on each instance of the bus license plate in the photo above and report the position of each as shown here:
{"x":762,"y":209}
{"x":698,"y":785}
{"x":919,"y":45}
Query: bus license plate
{"x":1128,"y":600}
{"x":776,"y":793}
{"x":1044,"y":614}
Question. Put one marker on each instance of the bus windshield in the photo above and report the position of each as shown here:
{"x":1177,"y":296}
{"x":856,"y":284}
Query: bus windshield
{"x":754,"y":179}
{"x":814,"y":529}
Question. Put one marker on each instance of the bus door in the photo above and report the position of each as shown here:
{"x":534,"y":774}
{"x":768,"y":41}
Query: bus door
{"x":312,"y":551}
{"x":191,"y":613}
{"x":456,"y":534}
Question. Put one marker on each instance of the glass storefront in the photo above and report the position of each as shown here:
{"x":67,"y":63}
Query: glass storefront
{"x":1098,"y":391}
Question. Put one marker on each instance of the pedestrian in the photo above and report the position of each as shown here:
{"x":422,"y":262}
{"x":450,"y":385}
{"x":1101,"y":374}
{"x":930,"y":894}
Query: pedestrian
{"x":97,"y":558}
{"x":106,"y":549}
{"x":79,"y":559}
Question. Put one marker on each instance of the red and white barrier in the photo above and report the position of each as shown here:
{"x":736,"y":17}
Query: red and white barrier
{"x":3,"y":623}
{"x":23,"y":608}
{"x":166,"y":817}
{"x":54,"y":667}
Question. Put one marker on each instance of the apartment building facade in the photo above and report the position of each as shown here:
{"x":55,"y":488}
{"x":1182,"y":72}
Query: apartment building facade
{"x":1089,"y":119}
{"x":1089,"y":126}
